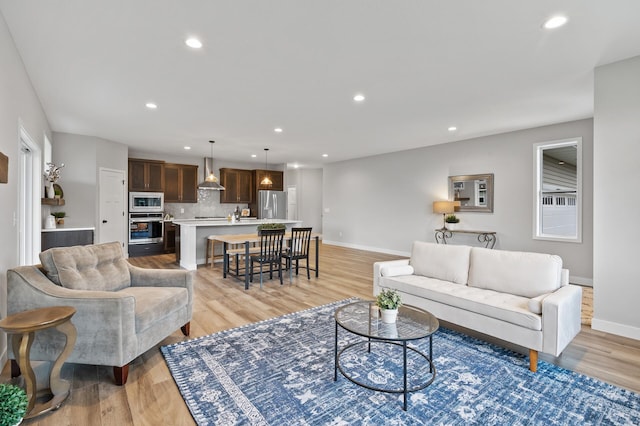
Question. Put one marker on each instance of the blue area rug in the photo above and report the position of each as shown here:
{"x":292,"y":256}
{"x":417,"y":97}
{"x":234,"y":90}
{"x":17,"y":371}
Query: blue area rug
{"x":280,"y":371}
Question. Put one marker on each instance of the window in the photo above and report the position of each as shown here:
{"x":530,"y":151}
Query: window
{"x":558,"y":190}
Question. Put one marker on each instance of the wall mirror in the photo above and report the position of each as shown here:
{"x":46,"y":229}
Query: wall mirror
{"x":558,"y":190}
{"x":475,"y":192}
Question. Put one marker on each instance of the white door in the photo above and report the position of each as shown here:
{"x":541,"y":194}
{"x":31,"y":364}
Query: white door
{"x":112,"y":220}
{"x":28,"y":214}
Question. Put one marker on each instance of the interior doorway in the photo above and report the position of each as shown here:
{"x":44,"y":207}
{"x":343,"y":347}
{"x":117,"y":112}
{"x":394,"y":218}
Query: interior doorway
{"x":112,"y":220}
{"x":29,"y":215}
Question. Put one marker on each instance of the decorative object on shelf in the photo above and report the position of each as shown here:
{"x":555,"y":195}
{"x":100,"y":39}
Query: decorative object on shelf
{"x":445,"y":207}
{"x":389,"y":301}
{"x":50,"y":222}
{"x":59,"y":217}
{"x":4,"y":168}
{"x":52,"y":174}
{"x":58,"y":192}
{"x":211,"y":181}
{"x":13,"y":404}
{"x":451,"y":221}
{"x":266,"y":181}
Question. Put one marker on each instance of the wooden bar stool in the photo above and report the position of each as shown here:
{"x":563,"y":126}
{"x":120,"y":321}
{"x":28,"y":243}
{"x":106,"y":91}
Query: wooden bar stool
{"x":22,"y":326}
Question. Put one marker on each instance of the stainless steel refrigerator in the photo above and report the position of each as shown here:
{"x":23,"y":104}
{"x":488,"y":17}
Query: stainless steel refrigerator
{"x":272,"y":205}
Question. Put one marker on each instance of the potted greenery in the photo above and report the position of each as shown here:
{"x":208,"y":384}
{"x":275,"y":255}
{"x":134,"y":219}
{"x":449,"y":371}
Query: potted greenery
{"x":452,"y":221}
{"x":59,"y":217}
{"x":271,"y":226}
{"x":13,"y":404}
{"x":389,"y":301}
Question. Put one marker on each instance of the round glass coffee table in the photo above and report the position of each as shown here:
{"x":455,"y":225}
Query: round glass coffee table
{"x":363,"y":319}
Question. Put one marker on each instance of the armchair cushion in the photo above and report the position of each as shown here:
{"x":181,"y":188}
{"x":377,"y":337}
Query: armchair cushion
{"x":94,"y":267}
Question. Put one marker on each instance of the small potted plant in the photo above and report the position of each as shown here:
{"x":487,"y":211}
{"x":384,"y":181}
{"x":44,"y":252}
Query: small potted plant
{"x":452,"y":221}
{"x":59,"y":217}
{"x":389,"y":301}
{"x":271,"y":226}
{"x":13,"y":404}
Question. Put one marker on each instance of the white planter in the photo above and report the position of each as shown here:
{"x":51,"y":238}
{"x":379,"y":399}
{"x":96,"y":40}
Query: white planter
{"x":389,"y":315}
{"x":452,"y":226}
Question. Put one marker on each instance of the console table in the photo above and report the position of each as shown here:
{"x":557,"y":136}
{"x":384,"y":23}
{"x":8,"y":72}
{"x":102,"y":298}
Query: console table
{"x":488,"y":238}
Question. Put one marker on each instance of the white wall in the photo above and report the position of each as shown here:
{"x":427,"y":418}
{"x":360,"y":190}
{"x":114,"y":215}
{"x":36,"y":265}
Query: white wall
{"x":308,"y":183}
{"x":617,"y":150}
{"x":18,"y":103}
{"x":384,"y":203}
{"x":83,"y":156}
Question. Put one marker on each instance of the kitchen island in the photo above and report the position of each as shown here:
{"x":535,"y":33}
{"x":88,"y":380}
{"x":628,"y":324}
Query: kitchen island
{"x":193,"y":233}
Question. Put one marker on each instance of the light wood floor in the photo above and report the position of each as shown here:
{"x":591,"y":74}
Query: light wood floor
{"x":151,"y":397}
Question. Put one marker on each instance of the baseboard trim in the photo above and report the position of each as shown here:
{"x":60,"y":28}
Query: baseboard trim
{"x":367,"y":248}
{"x":587,"y":282}
{"x":616,"y":328}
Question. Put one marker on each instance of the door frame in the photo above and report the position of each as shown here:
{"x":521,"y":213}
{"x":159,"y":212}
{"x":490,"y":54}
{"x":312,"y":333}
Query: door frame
{"x":125,"y":233}
{"x":29,"y":215}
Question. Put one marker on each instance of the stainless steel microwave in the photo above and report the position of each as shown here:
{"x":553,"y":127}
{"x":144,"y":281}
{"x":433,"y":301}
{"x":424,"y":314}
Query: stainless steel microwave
{"x":146,"y":202}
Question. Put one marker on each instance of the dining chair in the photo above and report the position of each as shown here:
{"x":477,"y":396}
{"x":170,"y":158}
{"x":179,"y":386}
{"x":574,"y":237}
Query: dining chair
{"x":298,"y":249}
{"x":270,"y":252}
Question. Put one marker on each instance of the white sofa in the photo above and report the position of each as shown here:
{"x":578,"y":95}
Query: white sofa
{"x":523,"y":298}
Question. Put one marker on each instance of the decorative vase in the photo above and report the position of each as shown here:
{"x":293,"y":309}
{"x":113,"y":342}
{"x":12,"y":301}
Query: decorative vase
{"x":51,"y":192}
{"x":389,"y":316}
{"x":452,"y":226}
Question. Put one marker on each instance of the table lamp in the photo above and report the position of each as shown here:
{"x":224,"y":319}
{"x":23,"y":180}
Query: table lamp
{"x":445,"y":207}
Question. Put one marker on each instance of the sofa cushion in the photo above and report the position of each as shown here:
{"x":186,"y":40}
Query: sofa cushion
{"x":523,"y":274}
{"x":501,"y":306}
{"x":93,"y":267}
{"x":396,"y":270}
{"x":155,"y":303}
{"x":535,"y":304}
{"x":441,"y":261}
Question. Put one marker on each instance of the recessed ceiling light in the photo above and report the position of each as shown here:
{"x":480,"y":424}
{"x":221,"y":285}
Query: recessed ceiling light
{"x":555,"y":22}
{"x":187,"y":148}
{"x":295,"y":166}
{"x":452,"y":129}
{"x":151,"y":105}
{"x":253,"y":155}
{"x":193,"y":43}
{"x":277,"y":130}
{"x":359,"y":97}
{"x":325,"y":155}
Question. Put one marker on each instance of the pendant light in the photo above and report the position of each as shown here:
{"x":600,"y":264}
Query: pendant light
{"x":211,"y":181}
{"x":266,"y":181}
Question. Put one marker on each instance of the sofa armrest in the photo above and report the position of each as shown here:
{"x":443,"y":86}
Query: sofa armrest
{"x":561,"y":320}
{"x":377,"y":267}
{"x":102,"y":313}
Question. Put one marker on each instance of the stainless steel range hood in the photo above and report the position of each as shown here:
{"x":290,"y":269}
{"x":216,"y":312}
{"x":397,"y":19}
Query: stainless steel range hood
{"x":210,"y":181}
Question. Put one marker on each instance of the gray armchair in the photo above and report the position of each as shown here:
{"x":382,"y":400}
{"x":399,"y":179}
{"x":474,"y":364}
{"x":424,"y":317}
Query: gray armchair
{"x":122,"y":310}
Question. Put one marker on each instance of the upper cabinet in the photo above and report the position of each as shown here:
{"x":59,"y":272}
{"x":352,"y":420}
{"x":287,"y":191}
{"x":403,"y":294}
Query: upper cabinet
{"x":277,"y":179}
{"x":237,"y":184}
{"x":180,"y":183}
{"x":146,"y":175}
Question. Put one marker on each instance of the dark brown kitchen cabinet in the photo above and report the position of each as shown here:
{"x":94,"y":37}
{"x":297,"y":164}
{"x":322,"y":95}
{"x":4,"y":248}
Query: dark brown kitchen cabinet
{"x":169,"y":237}
{"x":180,"y":183}
{"x":146,"y":175}
{"x":276,"y":177}
{"x":237,"y":184}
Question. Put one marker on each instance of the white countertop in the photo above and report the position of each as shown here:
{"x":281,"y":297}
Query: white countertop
{"x":225,"y":222}
{"x":62,"y":228}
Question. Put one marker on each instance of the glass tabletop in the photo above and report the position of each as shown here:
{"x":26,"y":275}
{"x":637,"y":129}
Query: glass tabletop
{"x":363,"y":318}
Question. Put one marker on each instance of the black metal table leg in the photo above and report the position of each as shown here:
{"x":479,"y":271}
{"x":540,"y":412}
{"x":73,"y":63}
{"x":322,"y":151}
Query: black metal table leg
{"x":246,"y":265}
{"x":317,"y":257}
{"x":225,"y":259}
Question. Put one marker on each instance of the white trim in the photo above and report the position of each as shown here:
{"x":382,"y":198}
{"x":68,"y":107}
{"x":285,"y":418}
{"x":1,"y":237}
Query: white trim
{"x":537,"y":187}
{"x":367,"y":248}
{"x":616,"y":328}
{"x":35,"y":182}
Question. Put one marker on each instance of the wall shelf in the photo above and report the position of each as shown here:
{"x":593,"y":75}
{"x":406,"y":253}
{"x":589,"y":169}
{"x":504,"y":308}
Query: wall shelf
{"x":52,"y":201}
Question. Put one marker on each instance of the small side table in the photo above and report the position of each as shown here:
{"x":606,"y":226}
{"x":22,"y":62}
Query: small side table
{"x":488,"y":238}
{"x":22,"y":326}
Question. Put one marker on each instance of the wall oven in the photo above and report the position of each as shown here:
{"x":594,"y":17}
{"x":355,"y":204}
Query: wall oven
{"x":145,"y":228}
{"x":144,"y":202}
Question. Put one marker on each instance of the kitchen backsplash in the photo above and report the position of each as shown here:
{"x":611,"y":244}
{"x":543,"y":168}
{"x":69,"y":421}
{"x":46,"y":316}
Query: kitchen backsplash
{"x":208,"y":205}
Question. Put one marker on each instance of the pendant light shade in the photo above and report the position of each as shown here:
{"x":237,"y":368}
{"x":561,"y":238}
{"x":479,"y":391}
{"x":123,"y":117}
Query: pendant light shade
{"x":210,"y":181}
{"x":266,"y":181}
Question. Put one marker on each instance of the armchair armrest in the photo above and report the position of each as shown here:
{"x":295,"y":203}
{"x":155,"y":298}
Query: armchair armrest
{"x":100,"y":315}
{"x":561,"y":320}
{"x":142,"y":277}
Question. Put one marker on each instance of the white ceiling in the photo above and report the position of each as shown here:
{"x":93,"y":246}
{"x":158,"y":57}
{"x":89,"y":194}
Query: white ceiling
{"x":424,"y":65}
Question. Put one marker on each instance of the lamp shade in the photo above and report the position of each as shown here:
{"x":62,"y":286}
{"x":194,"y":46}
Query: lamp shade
{"x":445,"y":207}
